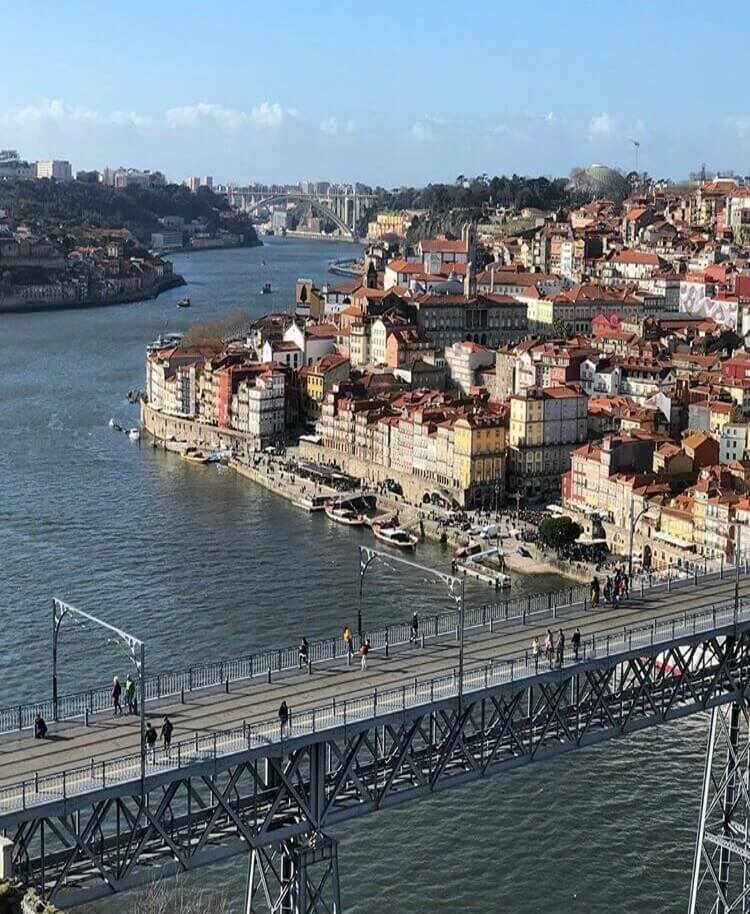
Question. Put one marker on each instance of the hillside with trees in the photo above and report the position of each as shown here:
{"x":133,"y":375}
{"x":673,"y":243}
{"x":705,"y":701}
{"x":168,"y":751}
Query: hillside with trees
{"x":46,"y":204}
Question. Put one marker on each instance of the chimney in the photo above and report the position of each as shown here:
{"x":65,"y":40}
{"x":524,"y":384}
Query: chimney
{"x":492,"y":279}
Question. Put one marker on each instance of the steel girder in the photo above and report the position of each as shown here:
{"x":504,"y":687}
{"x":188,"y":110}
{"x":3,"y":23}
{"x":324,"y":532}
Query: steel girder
{"x":117,"y":840}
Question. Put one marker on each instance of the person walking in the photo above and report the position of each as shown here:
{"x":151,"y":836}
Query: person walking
{"x":364,"y":650}
{"x":166,"y":734}
{"x":130,"y":699}
{"x":607,"y":590}
{"x":116,"y":695}
{"x":283,"y":718}
{"x":575,"y":643}
{"x":151,"y":738}
{"x":549,"y":646}
{"x":595,"y":592}
{"x":535,"y":651}
{"x":560,"y":647}
{"x":349,"y":644}
{"x":414,"y":628}
{"x":304,"y":651}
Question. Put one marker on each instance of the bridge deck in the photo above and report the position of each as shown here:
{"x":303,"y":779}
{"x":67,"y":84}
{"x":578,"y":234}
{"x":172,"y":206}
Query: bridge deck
{"x":72,"y":745}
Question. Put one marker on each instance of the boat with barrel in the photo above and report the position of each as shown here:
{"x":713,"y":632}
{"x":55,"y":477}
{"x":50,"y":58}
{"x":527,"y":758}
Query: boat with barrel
{"x":394,"y":535}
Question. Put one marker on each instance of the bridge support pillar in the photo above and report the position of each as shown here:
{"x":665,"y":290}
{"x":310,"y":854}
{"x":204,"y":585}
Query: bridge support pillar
{"x":299,"y":876}
{"x":721,"y":868}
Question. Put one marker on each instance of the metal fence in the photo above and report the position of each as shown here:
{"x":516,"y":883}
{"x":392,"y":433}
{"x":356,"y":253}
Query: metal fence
{"x":501,"y":670}
{"x":80,"y":706}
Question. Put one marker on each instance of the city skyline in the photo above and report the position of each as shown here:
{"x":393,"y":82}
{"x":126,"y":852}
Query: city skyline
{"x":346,"y":95}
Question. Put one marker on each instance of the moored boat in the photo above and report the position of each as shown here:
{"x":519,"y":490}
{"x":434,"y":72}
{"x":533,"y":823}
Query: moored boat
{"x":343,"y":514}
{"x":183,"y":302}
{"x":134,"y":434}
{"x":266,"y":290}
{"x":194,"y":456}
{"x":394,"y":536}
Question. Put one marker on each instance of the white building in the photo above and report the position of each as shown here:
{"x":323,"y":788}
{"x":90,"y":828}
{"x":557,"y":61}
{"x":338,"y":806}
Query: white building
{"x":733,"y":443}
{"x":314,"y":341}
{"x":464,"y":360}
{"x":258,"y":407}
{"x":55,"y":169}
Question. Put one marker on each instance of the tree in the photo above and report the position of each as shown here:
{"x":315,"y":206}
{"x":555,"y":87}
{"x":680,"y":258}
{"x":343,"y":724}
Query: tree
{"x":558,"y":532}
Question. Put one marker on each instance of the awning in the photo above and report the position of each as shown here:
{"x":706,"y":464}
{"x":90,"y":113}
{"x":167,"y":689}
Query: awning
{"x":585,"y":540}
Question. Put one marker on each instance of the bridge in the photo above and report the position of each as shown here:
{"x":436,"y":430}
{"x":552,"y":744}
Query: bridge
{"x":345,"y":210}
{"x":88,"y":813}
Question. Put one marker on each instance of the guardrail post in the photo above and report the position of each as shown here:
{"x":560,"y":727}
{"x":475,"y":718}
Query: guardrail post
{"x":386,"y":640}
{"x":158,"y":685}
{"x":20,"y":718}
{"x":585,"y":601}
{"x":179,"y":755}
{"x":190,"y":679}
{"x":669,"y":579}
{"x":432,"y":690}
{"x":512,"y":662}
{"x":226,"y":685}
{"x":86,"y":718}
{"x":403,"y":698}
{"x":721,"y":567}
{"x":65,"y":789}
{"x":182,"y":695}
{"x":251,"y":666}
{"x":375,"y":703}
{"x":653,"y":631}
{"x":104,"y":774}
{"x":421,"y":640}
{"x":523,"y":617}
{"x":269,"y":670}
{"x":196,"y":742}
{"x":713,"y":615}
{"x":313,"y":720}
{"x":695,"y":575}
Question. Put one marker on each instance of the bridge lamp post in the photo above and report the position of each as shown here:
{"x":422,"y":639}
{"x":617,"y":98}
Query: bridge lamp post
{"x":633,"y":521}
{"x":456,"y":588}
{"x":136,"y":649}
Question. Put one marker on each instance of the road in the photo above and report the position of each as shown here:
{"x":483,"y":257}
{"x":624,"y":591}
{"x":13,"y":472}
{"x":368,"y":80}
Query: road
{"x":71,"y":745}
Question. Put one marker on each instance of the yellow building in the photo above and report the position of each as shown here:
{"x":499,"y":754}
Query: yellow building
{"x":319,"y":378}
{"x":391,"y":223}
{"x":546,"y":424}
{"x":479,"y":457}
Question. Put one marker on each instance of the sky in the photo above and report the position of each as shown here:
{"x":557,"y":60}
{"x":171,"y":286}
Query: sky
{"x":387,"y":94}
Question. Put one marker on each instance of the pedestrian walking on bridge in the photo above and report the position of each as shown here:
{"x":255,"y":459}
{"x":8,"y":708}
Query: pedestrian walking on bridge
{"x":130,"y":699}
{"x":560,"y":647}
{"x":304,"y":652}
{"x":40,"y":726}
{"x":283,"y":717}
{"x":535,"y":651}
{"x":166,"y":734}
{"x":348,"y":644}
{"x":116,"y":696}
{"x":414,"y":628}
{"x":364,"y":650}
{"x":151,"y":738}
{"x":575,"y":643}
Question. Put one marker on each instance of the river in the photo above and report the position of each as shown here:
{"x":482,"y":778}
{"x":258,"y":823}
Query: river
{"x":205,"y":564}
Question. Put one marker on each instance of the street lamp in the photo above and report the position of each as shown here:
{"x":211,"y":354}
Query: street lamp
{"x":455,"y":587}
{"x":135,"y":646}
{"x":633,"y":522}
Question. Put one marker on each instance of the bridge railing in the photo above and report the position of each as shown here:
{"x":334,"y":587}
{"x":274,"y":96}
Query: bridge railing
{"x":529,"y":609}
{"x":504,"y":669}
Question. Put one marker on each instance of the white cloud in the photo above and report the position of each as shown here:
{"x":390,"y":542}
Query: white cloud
{"x":740,"y":123}
{"x":602,"y":125}
{"x":329,"y":126}
{"x":56,"y":111}
{"x":266,"y":114}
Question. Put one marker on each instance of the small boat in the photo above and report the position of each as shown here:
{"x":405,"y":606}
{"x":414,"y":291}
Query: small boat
{"x":394,"y":536}
{"x":266,"y":290}
{"x":112,"y":423}
{"x":194,"y":456}
{"x":343,"y":514}
{"x":134,"y":434}
{"x":183,"y":302}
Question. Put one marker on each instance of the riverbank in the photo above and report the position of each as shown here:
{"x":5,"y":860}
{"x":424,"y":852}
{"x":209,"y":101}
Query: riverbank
{"x":32,"y":307}
{"x":213,"y":247}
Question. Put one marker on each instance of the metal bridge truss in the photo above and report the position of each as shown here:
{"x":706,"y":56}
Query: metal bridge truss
{"x":276,"y":803}
{"x":721,"y":871}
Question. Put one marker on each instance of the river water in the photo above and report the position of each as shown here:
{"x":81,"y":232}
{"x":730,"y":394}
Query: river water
{"x":204,"y":564}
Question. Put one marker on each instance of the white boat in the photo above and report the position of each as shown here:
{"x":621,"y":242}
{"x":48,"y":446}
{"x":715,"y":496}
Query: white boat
{"x":183,"y":302}
{"x":134,"y":434}
{"x":343,"y":514}
{"x":394,"y":536}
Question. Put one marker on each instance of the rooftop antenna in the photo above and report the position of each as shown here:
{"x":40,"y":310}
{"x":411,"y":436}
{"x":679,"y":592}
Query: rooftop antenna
{"x":637,"y":145}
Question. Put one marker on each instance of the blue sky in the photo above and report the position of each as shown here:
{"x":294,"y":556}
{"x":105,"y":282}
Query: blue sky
{"x":388,"y":94}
